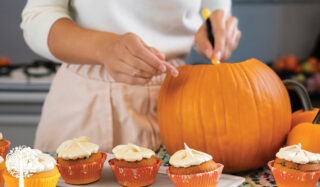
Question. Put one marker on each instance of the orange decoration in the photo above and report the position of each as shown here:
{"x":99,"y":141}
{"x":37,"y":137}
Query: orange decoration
{"x":280,"y":64}
{"x":308,"y":113}
{"x":291,"y":62}
{"x":4,"y":61}
{"x":239,"y":113}
{"x":308,"y":134}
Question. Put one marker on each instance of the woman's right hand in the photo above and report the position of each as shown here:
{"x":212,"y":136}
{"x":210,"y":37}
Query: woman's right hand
{"x":129,"y":60}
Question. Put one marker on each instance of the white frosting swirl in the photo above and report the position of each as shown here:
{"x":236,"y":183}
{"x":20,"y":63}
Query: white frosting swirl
{"x":77,"y":148}
{"x":1,"y":136}
{"x":188,"y":157}
{"x":131,"y":152}
{"x":295,"y":154}
{"x":28,"y":161}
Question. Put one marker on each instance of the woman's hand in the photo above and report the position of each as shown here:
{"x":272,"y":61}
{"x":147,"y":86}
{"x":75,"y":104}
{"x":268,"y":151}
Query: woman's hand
{"x":128,"y":59}
{"x":226,"y":36}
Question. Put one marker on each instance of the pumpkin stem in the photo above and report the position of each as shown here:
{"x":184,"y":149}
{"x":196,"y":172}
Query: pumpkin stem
{"x":302,"y":93}
{"x":317,"y":118}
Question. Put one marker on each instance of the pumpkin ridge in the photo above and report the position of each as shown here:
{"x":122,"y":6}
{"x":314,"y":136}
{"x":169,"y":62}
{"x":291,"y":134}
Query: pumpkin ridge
{"x":231,"y":122}
{"x":274,"y":121}
{"x":180,"y":118}
{"x":199,"y":106}
{"x":190,"y":103}
{"x":261,"y":92}
{"x":216,"y":122}
{"x":224,"y":125}
{"x":283,"y":117}
{"x":242,"y":77}
{"x":213,"y":109}
{"x":284,"y":94}
{"x":236,"y":77}
{"x":256,"y":107}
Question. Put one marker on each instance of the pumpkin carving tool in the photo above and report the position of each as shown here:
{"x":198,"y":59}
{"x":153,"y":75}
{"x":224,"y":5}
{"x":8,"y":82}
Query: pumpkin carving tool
{"x":206,"y":15}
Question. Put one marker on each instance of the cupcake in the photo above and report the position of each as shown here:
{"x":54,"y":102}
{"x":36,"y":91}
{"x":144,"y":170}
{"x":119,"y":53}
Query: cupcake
{"x":30,"y":167}
{"x":4,"y":146}
{"x":134,"y":165}
{"x":294,"y":166}
{"x":190,"y":167}
{"x":79,"y":161}
{"x":2,"y":168}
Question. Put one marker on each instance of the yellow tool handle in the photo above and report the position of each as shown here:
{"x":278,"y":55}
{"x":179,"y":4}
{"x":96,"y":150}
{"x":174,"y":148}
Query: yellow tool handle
{"x":206,"y":14}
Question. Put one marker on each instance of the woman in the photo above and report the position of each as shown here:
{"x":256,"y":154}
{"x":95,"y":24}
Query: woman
{"x":115,"y":54}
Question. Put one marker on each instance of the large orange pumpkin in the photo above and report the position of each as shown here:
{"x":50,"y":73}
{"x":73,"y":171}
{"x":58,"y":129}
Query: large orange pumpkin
{"x":308,"y":134}
{"x":239,"y":113}
{"x":307,"y":113}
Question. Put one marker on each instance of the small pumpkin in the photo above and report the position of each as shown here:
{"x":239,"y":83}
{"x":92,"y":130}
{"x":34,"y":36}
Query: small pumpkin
{"x":308,"y":134}
{"x":307,"y":113}
{"x":240,"y":113}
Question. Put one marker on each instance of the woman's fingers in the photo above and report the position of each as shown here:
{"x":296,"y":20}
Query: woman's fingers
{"x":232,"y":37}
{"x":131,"y":61}
{"x":125,"y":68}
{"x":160,"y":55}
{"x":137,"y":48}
{"x":237,"y":36}
{"x":201,"y":39}
{"x":218,"y":23}
{"x":137,"y":63}
{"x":172,"y":70}
{"x":169,"y":68}
{"x":226,"y":36}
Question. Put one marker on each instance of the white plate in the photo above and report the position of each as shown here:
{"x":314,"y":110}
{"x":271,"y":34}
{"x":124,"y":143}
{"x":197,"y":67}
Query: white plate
{"x":108,"y":179}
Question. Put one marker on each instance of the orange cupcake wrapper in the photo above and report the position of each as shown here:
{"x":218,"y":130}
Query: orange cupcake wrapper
{"x":294,"y":178}
{"x":82,"y":173}
{"x":210,"y":178}
{"x":4,"y":149}
{"x":141,"y":176}
{"x":50,"y":181}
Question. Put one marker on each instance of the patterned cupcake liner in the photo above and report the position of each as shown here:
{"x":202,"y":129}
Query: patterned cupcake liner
{"x":204,"y":179}
{"x":4,"y":149}
{"x":141,"y":176}
{"x":294,"y":178}
{"x":82,"y":173}
{"x":34,"y":180}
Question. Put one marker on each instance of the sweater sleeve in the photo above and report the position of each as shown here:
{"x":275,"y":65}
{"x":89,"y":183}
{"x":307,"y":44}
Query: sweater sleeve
{"x":37,"y":18}
{"x":213,"y":5}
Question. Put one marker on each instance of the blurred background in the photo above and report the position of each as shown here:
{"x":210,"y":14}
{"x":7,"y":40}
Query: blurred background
{"x":282,"y":33}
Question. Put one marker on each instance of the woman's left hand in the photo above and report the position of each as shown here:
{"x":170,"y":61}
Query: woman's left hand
{"x":226,"y":36}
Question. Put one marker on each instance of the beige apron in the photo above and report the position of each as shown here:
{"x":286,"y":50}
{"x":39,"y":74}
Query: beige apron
{"x":84,"y":100}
